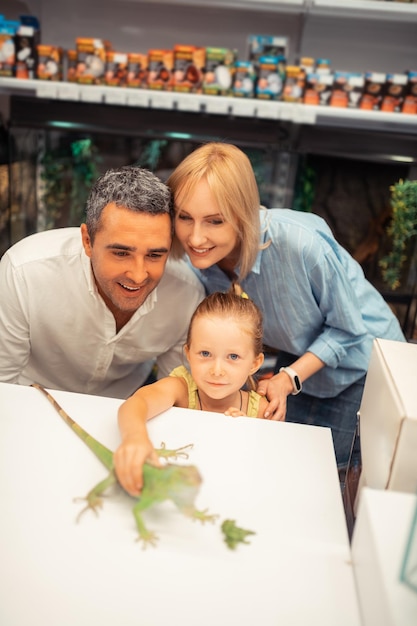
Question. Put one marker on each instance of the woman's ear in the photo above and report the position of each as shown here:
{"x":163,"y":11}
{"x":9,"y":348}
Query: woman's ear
{"x":257,"y":363}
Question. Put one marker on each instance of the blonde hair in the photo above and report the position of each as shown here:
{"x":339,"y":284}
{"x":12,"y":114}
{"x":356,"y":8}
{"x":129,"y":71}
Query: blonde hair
{"x":229,"y":174}
{"x":241,"y":308}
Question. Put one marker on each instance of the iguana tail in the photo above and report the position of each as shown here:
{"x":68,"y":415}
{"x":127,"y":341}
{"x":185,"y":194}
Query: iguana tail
{"x":102,"y":453}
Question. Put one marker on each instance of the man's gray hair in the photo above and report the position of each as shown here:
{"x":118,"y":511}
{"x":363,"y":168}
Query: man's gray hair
{"x":131,"y":187}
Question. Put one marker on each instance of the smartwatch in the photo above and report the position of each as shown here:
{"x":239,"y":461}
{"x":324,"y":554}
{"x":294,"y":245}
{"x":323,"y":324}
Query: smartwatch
{"x":296,"y":382}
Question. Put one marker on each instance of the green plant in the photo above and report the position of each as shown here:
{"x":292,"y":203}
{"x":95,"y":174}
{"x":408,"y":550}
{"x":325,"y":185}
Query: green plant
{"x":67,"y":175}
{"x":402,"y":227}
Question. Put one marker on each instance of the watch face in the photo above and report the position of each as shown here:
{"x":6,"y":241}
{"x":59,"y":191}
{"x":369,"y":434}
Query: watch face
{"x":297,"y":383}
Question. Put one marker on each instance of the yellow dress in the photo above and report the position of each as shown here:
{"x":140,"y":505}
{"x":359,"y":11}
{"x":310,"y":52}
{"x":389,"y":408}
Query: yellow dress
{"x":193,"y":403}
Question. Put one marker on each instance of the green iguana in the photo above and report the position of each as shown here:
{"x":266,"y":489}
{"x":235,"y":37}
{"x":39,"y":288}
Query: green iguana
{"x":178,"y":483}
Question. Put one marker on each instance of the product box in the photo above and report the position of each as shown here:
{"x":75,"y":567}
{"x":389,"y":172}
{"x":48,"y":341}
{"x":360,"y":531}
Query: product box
{"x":244,"y":80}
{"x":116,"y":68}
{"x":71,"y":66}
{"x":373,"y":91}
{"x":347,"y":89}
{"x":91,"y":60}
{"x":271,"y":77}
{"x":323,"y":66}
{"x":160,"y":69}
{"x":137,"y":70}
{"x":27,"y":39}
{"x":189,"y":64}
{"x":318,"y":89}
{"x":295,"y":78}
{"x":266,"y":45}
{"x":410,"y":99}
{"x":218,"y":76}
{"x":395,"y":91}
{"x":49,"y":62}
{"x":8,"y":30}
{"x":388,"y":417}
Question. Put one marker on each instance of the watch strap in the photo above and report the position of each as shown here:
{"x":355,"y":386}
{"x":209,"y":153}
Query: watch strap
{"x":296,"y":382}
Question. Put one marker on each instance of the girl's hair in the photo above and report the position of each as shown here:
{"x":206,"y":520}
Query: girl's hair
{"x":229,"y":174}
{"x":241,"y":308}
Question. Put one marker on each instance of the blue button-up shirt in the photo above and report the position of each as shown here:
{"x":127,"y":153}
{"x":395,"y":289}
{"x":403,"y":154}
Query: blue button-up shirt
{"x":314,"y":297}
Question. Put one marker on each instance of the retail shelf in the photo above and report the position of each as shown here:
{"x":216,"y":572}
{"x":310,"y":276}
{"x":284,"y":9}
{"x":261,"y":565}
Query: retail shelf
{"x":276,"y":6}
{"x":373,"y":9}
{"x":369,"y":9}
{"x":214,"y":105}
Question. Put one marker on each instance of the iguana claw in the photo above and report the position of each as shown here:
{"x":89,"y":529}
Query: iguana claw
{"x":176,"y":453}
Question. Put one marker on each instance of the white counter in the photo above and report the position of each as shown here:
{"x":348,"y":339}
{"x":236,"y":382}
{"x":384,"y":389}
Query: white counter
{"x":378,"y":546}
{"x":277,"y":479}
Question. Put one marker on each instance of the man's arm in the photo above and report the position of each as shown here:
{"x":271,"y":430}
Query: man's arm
{"x":14,"y":324}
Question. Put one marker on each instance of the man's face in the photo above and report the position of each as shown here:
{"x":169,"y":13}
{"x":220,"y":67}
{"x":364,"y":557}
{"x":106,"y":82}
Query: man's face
{"x":128,"y":256}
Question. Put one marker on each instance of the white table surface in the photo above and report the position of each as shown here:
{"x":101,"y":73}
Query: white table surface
{"x":277,"y":479}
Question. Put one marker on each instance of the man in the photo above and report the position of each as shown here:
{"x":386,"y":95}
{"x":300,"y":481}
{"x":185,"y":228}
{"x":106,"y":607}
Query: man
{"x":91,"y":314}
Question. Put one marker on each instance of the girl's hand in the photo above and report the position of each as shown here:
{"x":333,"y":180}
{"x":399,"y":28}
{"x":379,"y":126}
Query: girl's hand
{"x":276,"y":390}
{"x":129,"y":459}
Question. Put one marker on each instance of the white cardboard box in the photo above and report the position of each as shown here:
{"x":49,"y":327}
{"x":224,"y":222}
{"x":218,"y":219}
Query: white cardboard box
{"x":388,"y":417}
{"x":378,"y":548}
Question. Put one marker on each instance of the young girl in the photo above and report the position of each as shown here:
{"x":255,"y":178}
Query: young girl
{"x":223,"y":350}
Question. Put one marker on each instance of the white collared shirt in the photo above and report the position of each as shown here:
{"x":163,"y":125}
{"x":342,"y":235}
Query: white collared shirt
{"x":55,"y":328}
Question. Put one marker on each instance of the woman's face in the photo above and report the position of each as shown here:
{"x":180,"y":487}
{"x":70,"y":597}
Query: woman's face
{"x":202,"y":230}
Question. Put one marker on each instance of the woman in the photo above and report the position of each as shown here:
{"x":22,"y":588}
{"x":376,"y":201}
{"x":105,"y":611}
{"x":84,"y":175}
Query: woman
{"x":319,"y":311}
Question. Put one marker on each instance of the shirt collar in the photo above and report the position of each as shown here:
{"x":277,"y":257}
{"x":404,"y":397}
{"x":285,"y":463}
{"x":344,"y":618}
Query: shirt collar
{"x":263,"y":238}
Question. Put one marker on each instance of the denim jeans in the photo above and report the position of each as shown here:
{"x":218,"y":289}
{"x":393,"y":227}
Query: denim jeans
{"x":338,"y":413}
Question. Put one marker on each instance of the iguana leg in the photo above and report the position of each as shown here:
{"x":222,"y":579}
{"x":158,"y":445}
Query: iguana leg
{"x":146,"y":536}
{"x":93,"y":498}
{"x":176,"y":453}
{"x":202,"y":516}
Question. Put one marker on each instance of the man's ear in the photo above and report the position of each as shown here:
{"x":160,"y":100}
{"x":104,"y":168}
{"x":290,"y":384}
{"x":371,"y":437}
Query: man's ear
{"x":86,"y":240}
{"x":257,"y":362}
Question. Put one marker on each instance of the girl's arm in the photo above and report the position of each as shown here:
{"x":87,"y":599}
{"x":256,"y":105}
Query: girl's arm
{"x":136,"y":447}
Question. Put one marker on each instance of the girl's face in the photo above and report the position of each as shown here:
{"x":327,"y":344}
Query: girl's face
{"x":202,"y":231}
{"x":221,"y":355}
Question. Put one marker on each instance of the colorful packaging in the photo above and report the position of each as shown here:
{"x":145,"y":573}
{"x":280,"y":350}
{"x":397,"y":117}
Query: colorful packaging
{"x":71,"y":70}
{"x":295,"y":78}
{"x":244,"y":80}
{"x":395,"y":91}
{"x":137,"y":69}
{"x":218,"y":77}
{"x":160,"y":69}
{"x":189,"y":64}
{"x":266,"y":45}
{"x":410,"y":100}
{"x":318,"y":89}
{"x":323,"y":66}
{"x":8,"y":30}
{"x":347,"y":89}
{"x":116,"y":68}
{"x":91,"y":60}
{"x":373,"y":91}
{"x":27,"y":39}
{"x":271,"y":77}
{"x":49,"y":62}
